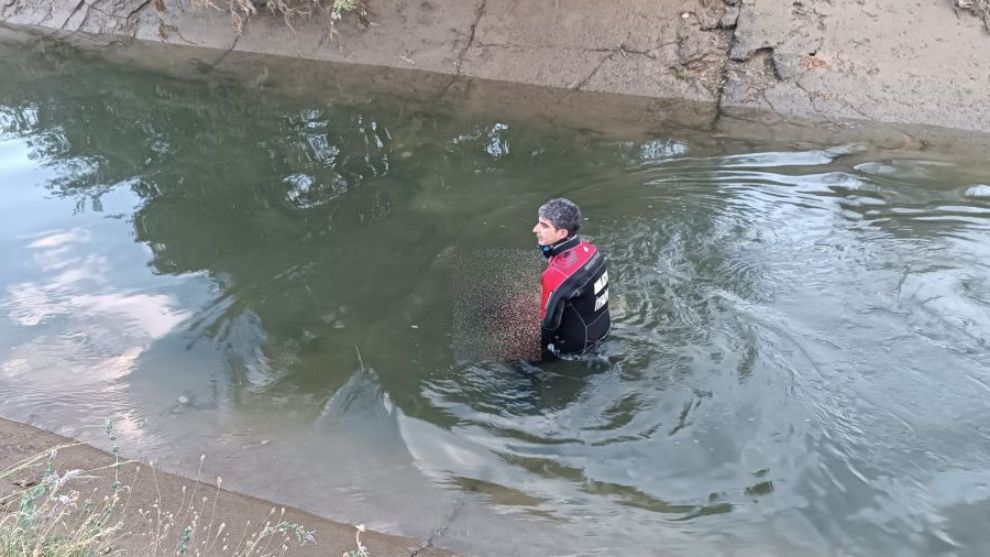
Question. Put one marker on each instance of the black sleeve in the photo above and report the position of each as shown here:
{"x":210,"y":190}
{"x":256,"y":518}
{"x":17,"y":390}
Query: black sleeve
{"x":555,"y":310}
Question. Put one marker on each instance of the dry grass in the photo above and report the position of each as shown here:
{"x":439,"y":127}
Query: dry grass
{"x":44,"y":522}
{"x":49,"y":517}
{"x":981,"y":8}
{"x":241,"y":11}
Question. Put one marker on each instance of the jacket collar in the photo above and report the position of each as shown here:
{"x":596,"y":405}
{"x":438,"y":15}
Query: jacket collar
{"x":560,"y":247}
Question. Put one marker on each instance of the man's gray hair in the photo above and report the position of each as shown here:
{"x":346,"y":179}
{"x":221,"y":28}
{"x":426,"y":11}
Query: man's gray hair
{"x":562,"y":213}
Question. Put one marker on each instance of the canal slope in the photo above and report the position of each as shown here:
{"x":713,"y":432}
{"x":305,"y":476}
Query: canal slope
{"x":147,"y":489}
{"x":774,"y":63}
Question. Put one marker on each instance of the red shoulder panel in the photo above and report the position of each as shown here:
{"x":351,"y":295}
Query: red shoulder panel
{"x":562,"y":266}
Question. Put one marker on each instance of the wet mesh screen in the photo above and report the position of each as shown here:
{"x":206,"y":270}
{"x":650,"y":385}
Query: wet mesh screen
{"x":497,"y":305}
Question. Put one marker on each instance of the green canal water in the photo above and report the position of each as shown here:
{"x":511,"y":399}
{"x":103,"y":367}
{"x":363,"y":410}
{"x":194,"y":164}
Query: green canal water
{"x":798,"y":363}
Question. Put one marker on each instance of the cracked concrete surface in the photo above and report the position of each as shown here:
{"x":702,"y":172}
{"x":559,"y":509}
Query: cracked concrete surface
{"x":672,"y":50}
{"x":470,"y":41}
{"x":876,"y":60}
{"x":626,"y":47}
{"x":441,"y":530}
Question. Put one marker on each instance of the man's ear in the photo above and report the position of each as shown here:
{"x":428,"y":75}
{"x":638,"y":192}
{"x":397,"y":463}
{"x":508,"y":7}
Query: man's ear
{"x":561,"y":233}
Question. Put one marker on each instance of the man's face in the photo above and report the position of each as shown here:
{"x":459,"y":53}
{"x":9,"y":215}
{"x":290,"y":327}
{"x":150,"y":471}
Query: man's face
{"x":547,"y":234}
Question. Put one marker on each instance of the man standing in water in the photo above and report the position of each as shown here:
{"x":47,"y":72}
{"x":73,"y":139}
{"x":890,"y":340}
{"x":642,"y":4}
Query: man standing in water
{"x":574,"y":304}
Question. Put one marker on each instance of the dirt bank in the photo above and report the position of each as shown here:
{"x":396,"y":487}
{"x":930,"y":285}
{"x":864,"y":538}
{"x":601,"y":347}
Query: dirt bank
{"x":170,"y":493}
{"x":735,"y":60}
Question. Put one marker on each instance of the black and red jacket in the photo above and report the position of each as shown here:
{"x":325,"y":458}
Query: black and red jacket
{"x":574,"y":304}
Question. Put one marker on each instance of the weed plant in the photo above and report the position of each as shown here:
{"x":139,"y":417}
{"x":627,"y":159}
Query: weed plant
{"x":49,"y":517}
{"x":241,"y":11}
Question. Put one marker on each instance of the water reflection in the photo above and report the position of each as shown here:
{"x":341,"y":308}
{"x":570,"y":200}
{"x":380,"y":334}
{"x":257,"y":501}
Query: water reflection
{"x":797,"y":364}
